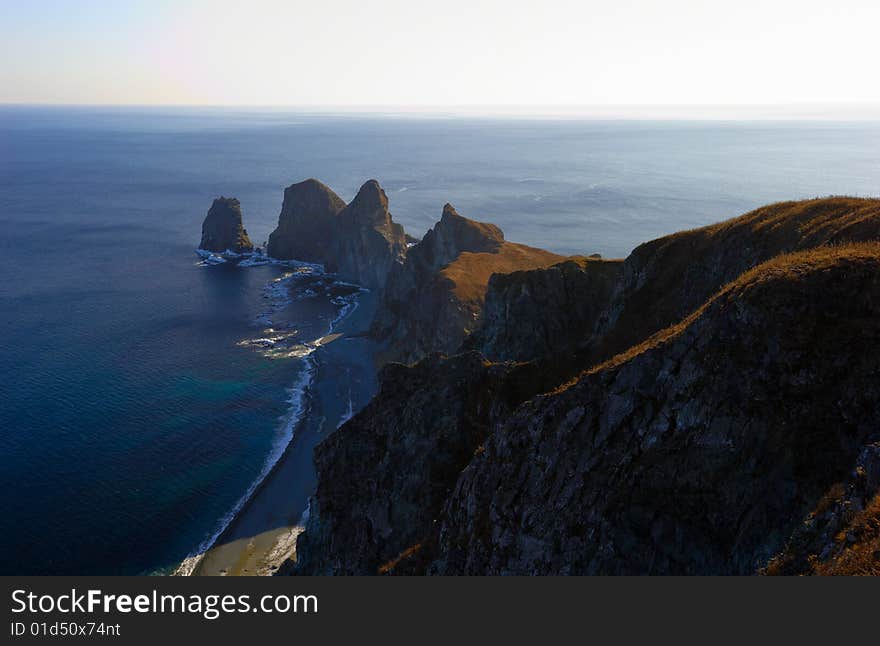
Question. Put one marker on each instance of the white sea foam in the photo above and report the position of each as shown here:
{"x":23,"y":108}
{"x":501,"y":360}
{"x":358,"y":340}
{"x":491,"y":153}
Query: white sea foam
{"x":285,"y":546}
{"x":250,"y":259}
{"x":277,"y":292}
{"x":349,"y":413}
{"x":344,"y":283}
{"x":346,"y":304}
{"x":209,"y":258}
{"x":297,"y":401}
{"x":273,"y":345}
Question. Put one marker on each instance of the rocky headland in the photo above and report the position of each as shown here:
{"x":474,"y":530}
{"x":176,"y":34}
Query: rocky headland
{"x":434,"y":299}
{"x":707,"y":405}
{"x":514,"y":325}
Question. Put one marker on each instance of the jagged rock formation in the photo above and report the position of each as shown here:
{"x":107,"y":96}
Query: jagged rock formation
{"x":368,"y":242}
{"x":668,"y":278}
{"x":700,"y":449}
{"x":663,"y":280}
{"x":359,"y":241}
{"x":434,"y":299}
{"x":697,"y":452}
{"x":515,"y":325}
{"x":381,"y":484}
{"x":222,"y":229}
{"x":306,"y":225}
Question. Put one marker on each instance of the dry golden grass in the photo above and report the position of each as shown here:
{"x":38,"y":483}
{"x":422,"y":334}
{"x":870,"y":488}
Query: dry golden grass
{"x":831,"y":498}
{"x":470,"y":272}
{"x":861,"y":551}
{"x":819,"y":220}
{"x":405,"y":554}
{"x":786,"y":267}
{"x":681,"y":271}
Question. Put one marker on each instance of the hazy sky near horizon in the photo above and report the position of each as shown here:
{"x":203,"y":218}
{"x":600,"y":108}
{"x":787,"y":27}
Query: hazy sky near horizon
{"x":455,"y":52}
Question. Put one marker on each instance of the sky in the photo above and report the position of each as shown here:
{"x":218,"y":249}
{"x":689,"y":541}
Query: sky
{"x":608,"y":56}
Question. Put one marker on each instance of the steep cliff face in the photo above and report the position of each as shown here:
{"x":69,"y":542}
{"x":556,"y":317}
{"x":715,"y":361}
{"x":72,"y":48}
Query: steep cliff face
{"x":434,"y":299}
{"x":699,"y":449}
{"x":307,"y":223}
{"x":359,"y":241}
{"x":530,"y":314}
{"x":367,"y":241}
{"x":222,"y":229}
{"x":666,"y":279}
{"x":382,"y":484}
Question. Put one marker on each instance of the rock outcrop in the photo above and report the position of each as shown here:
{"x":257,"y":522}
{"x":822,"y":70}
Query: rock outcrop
{"x":666,"y":279}
{"x":540,"y":312}
{"x":841,"y":535}
{"x":699,"y":451}
{"x":382,"y":484}
{"x":359,"y":241}
{"x":433,"y":301}
{"x":222,"y":229}
{"x":693,"y":414}
{"x":307,"y":224}
{"x":368,"y":242}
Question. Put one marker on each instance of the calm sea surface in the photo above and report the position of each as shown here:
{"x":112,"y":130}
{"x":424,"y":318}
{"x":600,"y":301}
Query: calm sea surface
{"x":132,"y":416}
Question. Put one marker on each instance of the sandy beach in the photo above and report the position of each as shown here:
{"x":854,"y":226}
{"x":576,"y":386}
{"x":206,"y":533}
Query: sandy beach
{"x":263,"y":534}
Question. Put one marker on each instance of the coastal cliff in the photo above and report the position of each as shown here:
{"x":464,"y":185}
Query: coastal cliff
{"x":434,"y":299}
{"x":382,"y":484}
{"x":666,"y":279}
{"x":515,"y":325}
{"x":368,"y":242}
{"x":689,"y":410}
{"x":359,"y":241}
{"x":307,"y":223}
{"x":699,"y":451}
{"x":223,"y":230}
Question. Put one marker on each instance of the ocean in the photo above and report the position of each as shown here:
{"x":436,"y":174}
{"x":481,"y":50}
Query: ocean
{"x":139,"y":399}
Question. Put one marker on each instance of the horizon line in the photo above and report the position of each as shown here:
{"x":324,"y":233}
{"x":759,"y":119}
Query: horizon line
{"x":801,"y":111}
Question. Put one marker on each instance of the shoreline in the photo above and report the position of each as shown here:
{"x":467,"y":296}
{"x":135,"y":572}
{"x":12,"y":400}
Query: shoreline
{"x":262,"y":533}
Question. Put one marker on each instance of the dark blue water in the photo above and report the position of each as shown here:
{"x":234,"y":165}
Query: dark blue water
{"x":131,"y":417}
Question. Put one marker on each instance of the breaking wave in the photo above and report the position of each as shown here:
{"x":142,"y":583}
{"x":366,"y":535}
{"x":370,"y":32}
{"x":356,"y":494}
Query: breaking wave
{"x":276,"y":344}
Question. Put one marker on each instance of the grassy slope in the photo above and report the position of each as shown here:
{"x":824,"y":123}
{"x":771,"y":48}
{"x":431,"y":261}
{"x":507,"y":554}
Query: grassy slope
{"x":670,"y":277}
{"x":469,"y":274}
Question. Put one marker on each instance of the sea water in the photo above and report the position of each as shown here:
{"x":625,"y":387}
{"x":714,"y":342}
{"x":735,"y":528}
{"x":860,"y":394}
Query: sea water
{"x":144,"y":393}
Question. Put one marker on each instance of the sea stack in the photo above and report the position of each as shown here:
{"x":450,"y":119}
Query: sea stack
{"x":306,"y":225}
{"x":358,"y":241}
{"x":222,"y":229}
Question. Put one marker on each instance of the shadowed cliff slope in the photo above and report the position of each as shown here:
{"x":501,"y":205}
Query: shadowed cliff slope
{"x":434,"y":299}
{"x":382,"y":484}
{"x":841,"y":535}
{"x":530,"y":314}
{"x":368,"y":242}
{"x":666,"y":279}
{"x":698,"y":449}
